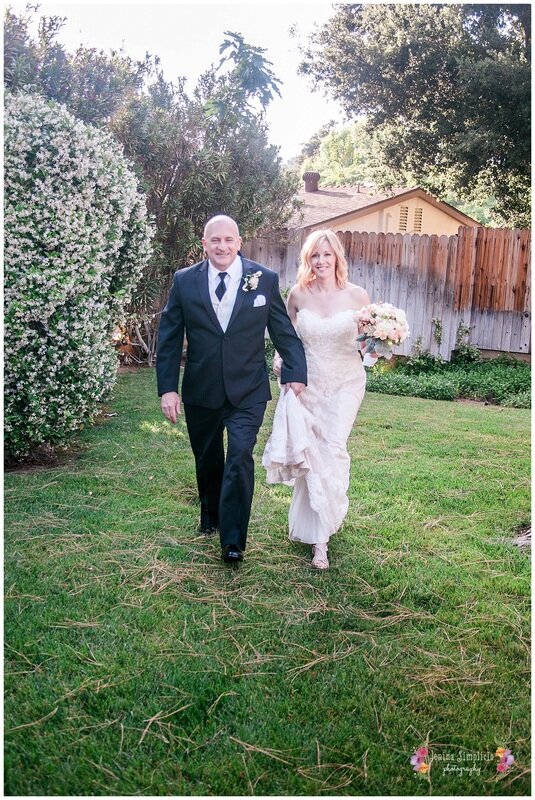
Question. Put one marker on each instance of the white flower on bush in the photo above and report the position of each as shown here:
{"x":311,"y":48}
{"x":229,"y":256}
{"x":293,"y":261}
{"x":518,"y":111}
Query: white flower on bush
{"x":76,"y":242}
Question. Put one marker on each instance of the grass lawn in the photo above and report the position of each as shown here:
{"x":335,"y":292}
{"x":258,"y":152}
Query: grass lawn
{"x":137,"y":663}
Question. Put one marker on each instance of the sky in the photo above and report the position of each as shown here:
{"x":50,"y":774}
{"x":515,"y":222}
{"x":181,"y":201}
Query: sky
{"x":186,"y":37}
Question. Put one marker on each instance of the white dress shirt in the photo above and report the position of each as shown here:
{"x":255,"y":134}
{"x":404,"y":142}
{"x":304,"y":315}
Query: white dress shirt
{"x":223,"y":308}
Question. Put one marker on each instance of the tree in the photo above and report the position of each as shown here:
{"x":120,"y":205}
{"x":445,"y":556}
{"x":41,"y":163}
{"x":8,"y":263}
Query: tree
{"x":257,"y":188}
{"x":76,"y":242}
{"x":194,"y":155}
{"x":92,"y":84}
{"x":311,"y":148}
{"x":352,"y":155}
{"x":444,"y":87}
{"x":345,"y":156}
{"x":198,"y":157}
{"x":250,"y":80}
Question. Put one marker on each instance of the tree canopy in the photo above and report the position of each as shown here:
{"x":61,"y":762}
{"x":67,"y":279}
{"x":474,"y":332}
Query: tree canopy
{"x":352,"y":155}
{"x":345,"y":156}
{"x":198,"y":145}
{"x":445,"y":88}
{"x":196,"y":154}
{"x":91,"y":83}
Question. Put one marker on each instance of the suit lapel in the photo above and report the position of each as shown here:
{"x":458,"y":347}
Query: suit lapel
{"x":240,"y":297}
{"x":202,"y":282}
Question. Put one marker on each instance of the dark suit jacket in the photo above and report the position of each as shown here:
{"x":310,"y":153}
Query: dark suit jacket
{"x":229,"y":364}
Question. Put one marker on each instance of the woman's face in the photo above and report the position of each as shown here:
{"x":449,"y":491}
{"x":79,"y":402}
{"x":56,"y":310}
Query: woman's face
{"x":323,"y":260}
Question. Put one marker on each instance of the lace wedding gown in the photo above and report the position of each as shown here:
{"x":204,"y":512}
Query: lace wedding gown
{"x":326,"y":411}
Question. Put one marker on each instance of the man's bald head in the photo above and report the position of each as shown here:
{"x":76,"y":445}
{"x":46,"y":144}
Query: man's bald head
{"x":221,"y":218}
{"x":221,"y":241}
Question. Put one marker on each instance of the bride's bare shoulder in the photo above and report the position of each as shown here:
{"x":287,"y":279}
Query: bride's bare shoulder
{"x":358,"y":294}
{"x":295,"y":294}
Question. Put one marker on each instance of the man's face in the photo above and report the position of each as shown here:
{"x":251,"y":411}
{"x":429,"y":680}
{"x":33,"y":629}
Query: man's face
{"x":221,"y":243}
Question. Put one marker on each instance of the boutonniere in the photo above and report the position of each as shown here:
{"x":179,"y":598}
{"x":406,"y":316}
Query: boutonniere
{"x":250,"y":281}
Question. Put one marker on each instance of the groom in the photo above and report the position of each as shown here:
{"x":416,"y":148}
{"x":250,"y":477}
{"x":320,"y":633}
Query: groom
{"x":223,"y":306}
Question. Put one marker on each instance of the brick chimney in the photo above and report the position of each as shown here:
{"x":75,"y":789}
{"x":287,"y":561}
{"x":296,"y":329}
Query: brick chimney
{"x":311,"y":180}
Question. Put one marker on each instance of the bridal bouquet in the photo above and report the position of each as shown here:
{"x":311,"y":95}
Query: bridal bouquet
{"x":383,"y":326}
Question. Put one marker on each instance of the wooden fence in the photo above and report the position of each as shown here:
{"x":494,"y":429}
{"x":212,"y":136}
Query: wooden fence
{"x":479,"y":278}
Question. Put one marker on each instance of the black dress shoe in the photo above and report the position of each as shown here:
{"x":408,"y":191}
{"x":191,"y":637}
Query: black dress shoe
{"x":232,"y":554}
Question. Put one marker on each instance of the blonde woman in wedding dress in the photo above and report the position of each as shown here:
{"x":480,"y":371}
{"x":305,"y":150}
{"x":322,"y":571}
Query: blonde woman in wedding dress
{"x":323,"y":307}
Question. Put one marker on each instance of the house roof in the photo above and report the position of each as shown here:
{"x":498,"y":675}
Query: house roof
{"x":336,"y":203}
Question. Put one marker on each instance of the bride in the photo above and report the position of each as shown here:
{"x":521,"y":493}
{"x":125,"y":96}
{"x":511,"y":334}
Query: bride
{"x":323,"y":307}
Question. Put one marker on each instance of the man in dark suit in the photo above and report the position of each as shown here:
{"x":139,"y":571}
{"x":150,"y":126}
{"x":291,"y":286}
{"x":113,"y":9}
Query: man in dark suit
{"x":223,"y":306}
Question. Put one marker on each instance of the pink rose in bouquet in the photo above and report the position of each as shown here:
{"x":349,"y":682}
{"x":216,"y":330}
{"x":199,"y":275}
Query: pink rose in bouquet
{"x":382,"y":326}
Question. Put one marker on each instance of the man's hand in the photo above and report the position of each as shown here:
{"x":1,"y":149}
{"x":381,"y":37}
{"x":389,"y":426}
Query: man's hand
{"x":297,"y":388}
{"x":171,"y":406}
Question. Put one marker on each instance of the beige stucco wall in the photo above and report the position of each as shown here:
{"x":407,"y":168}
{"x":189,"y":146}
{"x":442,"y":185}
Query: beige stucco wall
{"x":386,"y":220}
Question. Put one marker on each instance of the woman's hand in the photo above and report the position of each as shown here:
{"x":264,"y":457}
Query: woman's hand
{"x":277,"y":365}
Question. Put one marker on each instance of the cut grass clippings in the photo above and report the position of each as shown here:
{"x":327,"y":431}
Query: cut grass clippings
{"x":137,"y":663}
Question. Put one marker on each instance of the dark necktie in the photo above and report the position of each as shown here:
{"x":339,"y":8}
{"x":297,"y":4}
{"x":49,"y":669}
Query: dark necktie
{"x":222,"y":288}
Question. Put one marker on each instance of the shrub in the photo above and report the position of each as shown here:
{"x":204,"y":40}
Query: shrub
{"x":432,"y":387}
{"x":519,"y":400}
{"x":465,"y":352}
{"x":493,"y":380}
{"x":502,"y":380}
{"x":77,"y":240}
{"x":269,"y":352}
{"x":422,"y":362}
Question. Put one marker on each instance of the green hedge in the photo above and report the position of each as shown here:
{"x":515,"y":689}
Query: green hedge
{"x":503,"y":381}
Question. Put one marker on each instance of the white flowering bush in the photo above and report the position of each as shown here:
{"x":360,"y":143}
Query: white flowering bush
{"x":76,"y":242}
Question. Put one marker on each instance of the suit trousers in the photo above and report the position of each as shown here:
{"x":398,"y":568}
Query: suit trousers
{"x":225,"y":483}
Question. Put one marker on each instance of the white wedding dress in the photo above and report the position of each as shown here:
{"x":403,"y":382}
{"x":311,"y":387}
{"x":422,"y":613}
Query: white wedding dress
{"x":308,"y":444}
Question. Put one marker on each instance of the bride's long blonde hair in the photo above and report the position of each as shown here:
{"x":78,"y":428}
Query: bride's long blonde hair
{"x":305,"y":276}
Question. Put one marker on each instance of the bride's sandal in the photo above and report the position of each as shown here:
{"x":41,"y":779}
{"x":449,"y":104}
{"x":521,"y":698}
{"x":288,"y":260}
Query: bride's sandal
{"x":319,"y":553}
